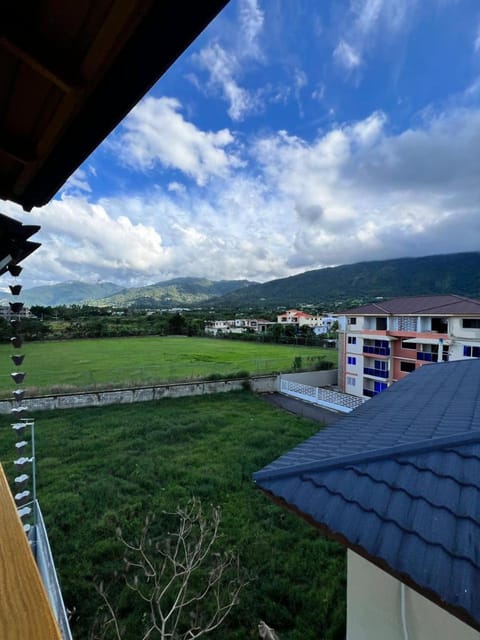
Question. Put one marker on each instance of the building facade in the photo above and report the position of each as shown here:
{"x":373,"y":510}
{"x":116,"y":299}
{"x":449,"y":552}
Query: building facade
{"x":382,"y":342}
{"x":320,"y":324}
{"x":238,"y":325}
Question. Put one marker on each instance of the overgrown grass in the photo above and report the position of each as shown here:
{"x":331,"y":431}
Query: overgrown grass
{"x":99,"y":363}
{"x":105,"y":467}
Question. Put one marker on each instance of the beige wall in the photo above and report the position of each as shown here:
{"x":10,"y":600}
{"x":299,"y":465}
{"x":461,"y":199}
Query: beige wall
{"x":313,"y":378}
{"x":258,"y":384}
{"x":374,"y":609}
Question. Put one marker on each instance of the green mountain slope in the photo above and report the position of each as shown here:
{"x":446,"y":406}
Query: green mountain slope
{"x":73,"y":292}
{"x":453,"y":273}
{"x":178,"y":292}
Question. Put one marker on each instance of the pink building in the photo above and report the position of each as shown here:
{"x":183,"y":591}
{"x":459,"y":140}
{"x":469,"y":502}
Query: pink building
{"x":382,"y":342}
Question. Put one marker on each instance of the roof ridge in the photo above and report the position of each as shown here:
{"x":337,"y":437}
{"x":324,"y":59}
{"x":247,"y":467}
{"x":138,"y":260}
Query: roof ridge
{"x":417,"y":446}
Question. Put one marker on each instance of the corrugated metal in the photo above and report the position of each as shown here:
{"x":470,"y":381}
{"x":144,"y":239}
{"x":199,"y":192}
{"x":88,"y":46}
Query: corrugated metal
{"x":399,"y":480}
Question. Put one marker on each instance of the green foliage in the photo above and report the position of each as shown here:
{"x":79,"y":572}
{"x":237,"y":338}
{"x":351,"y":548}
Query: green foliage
{"x":103,"y":468}
{"x":353,"y":284}
{"x":297,"y":363}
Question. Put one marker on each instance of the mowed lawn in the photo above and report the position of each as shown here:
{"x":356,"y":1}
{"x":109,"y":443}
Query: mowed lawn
{"x":76,"y":364}
{"x":108,"y":467}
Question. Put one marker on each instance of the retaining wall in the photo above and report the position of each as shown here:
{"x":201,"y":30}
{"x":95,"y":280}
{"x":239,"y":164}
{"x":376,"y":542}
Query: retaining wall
{"x":258,"y":384}
{"x":327,"y":378}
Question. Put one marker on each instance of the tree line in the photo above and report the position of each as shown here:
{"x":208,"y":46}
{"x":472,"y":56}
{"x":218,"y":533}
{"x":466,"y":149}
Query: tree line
{"x":82,"y":321}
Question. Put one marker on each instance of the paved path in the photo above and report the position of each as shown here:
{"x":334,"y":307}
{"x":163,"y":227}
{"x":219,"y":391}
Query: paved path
{"x":305,"y":409}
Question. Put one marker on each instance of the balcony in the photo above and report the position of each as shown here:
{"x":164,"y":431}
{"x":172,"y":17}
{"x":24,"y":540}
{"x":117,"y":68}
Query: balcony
{"x":426,"y":356}
{"x":377,"y":351}
{"x":378,"y":373}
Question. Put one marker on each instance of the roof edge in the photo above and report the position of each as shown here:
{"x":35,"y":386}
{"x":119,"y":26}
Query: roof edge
{"x":457,"y":612}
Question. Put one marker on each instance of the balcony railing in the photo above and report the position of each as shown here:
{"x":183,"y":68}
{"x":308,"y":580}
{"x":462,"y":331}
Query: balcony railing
{"x":378,"y":373}
{"x":426,"y":356}
{"x":43,"y":555}
{"x":378,"y":351}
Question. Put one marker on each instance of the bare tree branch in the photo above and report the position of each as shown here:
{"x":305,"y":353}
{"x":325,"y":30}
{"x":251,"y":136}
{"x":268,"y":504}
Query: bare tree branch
{"x":189,"y":588}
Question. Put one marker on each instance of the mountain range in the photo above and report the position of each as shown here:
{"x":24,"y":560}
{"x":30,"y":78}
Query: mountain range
{"x":178,"y":292}
{"x":333,"y":286}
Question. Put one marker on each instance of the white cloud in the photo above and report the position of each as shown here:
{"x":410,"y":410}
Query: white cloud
{"x":365,"y":22}
{"x":251,"y":24}
{"x":356,"y":192}
{"x":155,"y":132}
{"x":346,"y":55}
{"x":476,"y":44}
{"x":226,"y":63}
{"x":222,"y":68}
{"x":77,"y":183}
{"x":82,"y":240}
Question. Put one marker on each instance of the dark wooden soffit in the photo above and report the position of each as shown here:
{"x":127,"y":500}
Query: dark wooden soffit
{"x":69,"y":73}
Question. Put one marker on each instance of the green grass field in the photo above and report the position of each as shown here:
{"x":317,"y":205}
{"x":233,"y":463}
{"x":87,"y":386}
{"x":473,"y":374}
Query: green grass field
{"x":100,"y":468}
{"x":76,"y":364}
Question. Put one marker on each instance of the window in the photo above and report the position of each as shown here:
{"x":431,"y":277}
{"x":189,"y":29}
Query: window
{"x":471,"y":352}
{"x":381,"y":364}
{"x":351,"y":381}
{"x":405,"y":323}
{"x":407,"y":366}
{"x":351,"y":360}
{"x":381,"y":324}
{"x":440,"y":325}
{"x":352,"y":321}
{"x":471,"y":323}
{"x":409,"y":345}
{"x":352,"y":340}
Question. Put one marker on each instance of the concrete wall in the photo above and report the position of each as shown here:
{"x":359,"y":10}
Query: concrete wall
{"x":258,"y":384}
{"x":313,"y":378}
{"x":374,"y":609}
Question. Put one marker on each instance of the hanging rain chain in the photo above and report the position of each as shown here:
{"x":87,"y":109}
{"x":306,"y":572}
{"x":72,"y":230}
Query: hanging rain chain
{"x":24,"y":428}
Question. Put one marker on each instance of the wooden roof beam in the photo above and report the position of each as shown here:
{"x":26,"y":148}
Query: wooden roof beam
{"x":17,"y":148}
{"x":40,"y":60}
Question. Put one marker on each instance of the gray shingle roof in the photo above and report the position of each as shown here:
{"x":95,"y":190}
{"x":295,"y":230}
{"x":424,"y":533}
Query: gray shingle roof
{"x":433,"y":305}
{"x":398,"y":481}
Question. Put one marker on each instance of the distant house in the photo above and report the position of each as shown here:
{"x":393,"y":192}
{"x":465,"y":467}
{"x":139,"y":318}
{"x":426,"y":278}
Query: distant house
{"x":238,"y":325}
{"x":7,"y":313}
{"x":320,"y":324}
{"x":397,"y":483}
{"x":382,"y":342}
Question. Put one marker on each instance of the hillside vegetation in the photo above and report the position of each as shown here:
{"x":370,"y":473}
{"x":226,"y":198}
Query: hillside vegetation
{"x":454,"y":273}
{"x":72,"y":292}
{"x":178,"y":292}
{"x":333,"y":287}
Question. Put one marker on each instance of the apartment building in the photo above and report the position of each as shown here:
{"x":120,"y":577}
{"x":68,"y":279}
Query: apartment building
{"x":382,"y":342}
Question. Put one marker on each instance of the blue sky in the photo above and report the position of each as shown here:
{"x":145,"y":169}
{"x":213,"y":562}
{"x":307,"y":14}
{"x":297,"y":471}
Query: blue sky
{"x":292,"y":135}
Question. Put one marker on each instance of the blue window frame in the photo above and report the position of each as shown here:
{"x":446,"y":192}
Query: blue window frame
{"x":352,"y":340}
{"x":351,"y":360}
{"x":471,"y":352}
